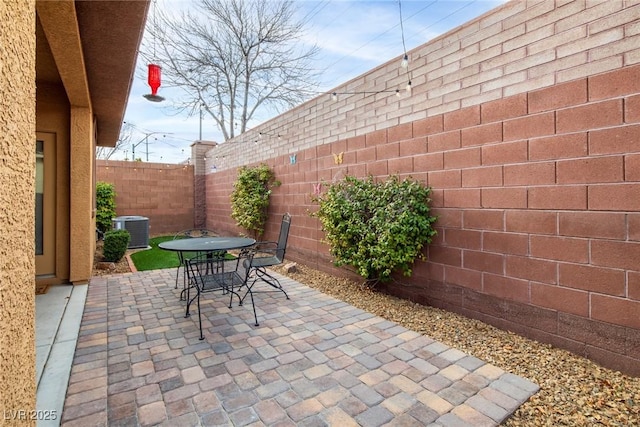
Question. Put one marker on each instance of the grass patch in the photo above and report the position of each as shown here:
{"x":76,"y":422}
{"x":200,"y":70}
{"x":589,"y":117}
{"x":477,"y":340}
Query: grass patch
{"x":156,"y":258}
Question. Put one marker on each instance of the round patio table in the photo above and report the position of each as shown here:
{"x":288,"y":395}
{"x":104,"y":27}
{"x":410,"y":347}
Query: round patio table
{"x":207,"y":244}
{"x":221,"y":280}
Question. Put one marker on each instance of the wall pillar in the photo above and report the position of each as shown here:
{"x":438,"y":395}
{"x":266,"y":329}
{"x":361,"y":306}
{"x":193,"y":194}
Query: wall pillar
{"x":82,"y":191}
{"x":198,"y":159}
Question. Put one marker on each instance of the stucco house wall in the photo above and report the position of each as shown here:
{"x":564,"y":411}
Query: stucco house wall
{"x":85,"y":57}
{"x":525,"y":123}
{"x":17,"y":265}
{"x":58,"y":65}
{"x":53,"y":116}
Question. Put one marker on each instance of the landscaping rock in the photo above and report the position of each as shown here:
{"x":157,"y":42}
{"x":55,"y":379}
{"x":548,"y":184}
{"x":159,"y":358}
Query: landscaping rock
{"x":291,"y":267}
{"x":104,"y":265}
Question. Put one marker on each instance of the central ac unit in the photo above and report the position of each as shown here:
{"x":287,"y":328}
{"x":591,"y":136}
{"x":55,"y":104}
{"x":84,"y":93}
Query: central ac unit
{"x":138,"y":228}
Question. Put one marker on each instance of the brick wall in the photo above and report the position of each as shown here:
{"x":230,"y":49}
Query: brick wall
{"x":514,"y":49}
{"x":198,"y":154}
{"x":539,"y":228}
{"x":164,"y":193}
{"x":525,"y":122}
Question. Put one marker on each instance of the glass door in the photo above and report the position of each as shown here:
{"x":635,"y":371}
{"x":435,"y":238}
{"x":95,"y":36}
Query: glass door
{"x":45,"y":204}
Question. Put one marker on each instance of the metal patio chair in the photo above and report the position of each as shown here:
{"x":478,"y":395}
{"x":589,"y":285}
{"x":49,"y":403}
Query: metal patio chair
{"x":267,"y":254}
{"x":206,"y":273}
{"x":190,"y":233}
{"x":187,"y":234}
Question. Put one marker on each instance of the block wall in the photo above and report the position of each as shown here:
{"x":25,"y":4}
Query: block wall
{"x":526,"y":124}
{"x":516,"y":48}
{"x":164,"y":193}
{"x":198,"y":153}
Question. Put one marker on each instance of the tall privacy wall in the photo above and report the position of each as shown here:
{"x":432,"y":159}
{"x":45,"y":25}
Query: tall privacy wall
{"x":526,"y":124}
{"x":164,"y":193}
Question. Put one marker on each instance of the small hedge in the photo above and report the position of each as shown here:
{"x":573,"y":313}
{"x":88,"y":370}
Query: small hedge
{"x":250,"y":197}
{"x":105,"y":206}
{"x":115,"y":245}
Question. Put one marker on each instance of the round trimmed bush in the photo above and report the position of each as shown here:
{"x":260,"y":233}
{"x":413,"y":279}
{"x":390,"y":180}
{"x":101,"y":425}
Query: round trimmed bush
{"x":115,"y":245}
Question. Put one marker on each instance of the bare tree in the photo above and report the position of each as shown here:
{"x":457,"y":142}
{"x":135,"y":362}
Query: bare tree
{"x":232,"y":57}
{"x":124,"y":140}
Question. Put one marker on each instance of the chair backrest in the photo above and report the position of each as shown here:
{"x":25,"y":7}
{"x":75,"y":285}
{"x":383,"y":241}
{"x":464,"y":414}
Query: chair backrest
{"x":201,"y":269}
{"x":194,"y":232}
{"x":284,"y":235}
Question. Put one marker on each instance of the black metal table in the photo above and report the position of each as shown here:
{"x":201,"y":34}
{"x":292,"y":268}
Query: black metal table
{"x":207,"y":244}
{"x":200,"y":272}
{"x":210,"y":245}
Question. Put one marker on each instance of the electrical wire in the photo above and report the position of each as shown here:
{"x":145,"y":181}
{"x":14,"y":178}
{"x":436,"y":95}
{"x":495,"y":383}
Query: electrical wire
{"x":350,"y":54}
{"x":447,"y":16}
{"x":322,"y":5}
{"x":312,"y":13}
{"x":404,"y":45}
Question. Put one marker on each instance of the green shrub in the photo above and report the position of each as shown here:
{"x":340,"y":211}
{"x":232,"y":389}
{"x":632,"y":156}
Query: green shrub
{"x":115,"y":245}
{"x":250,"y":197}
{"x":377,"y":228}
{"x":105,"y":206}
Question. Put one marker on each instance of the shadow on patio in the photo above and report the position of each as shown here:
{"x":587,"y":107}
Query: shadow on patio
{"x":313,"y":360}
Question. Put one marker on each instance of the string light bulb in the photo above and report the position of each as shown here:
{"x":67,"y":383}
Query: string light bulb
{"x":405,"y":61}
{"x":398,"y":93}
{"x":409,"y":87}
{"x":334,"y":96}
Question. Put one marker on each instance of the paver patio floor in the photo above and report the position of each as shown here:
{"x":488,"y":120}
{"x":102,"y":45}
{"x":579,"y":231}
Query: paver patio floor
{"x":313,"y":361}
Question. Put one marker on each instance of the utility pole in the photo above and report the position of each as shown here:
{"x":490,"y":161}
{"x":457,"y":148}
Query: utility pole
{"x":146,"y":141}
{"x":200,"y":137}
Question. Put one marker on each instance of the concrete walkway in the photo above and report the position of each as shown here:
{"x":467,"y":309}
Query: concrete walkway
{"x":58,"y":317}
{"x":313,"y":361}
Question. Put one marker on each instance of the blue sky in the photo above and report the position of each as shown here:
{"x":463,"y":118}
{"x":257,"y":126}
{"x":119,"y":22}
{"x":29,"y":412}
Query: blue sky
{"x":353,"y":36}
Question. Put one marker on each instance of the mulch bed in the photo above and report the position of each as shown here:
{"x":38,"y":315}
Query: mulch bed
{"x":101,"y":268}
{"x":574,"y":391}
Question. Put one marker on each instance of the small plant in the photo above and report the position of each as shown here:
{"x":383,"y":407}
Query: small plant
{"x":105,"y":206}
{"x":115,"y":245}
{"x":250,"y":197}
{"x":377,"y":228}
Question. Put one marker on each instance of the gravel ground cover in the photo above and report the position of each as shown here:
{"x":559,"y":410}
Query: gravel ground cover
{"x":573,"y":390}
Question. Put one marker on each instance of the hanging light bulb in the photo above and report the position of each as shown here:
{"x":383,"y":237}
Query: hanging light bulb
{"x":334,"y":96}
{"x":405,"y":61}
{"x":409,"y":86}
{"x":398,"y":93}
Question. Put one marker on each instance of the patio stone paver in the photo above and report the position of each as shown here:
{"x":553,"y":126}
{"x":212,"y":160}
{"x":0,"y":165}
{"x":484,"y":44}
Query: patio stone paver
{"x":313,"y":360}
